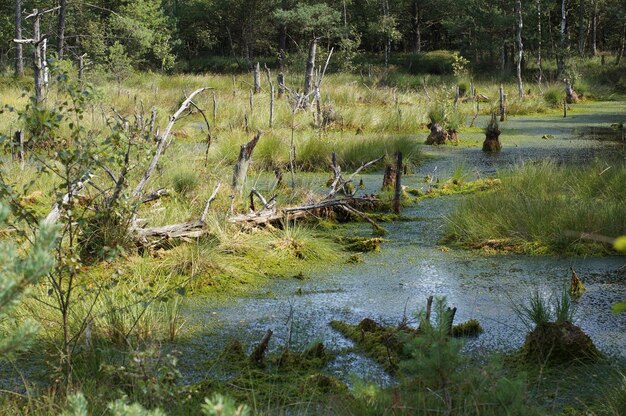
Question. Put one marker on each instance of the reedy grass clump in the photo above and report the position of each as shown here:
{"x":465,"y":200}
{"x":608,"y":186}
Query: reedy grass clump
{"x":542,"y":208}
{"x":554,"y":95}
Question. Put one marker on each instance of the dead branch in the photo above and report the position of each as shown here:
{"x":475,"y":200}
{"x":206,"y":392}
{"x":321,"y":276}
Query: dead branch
{"x":339,"y":183}
{"x":153,"y":196}
{"x":208,"y":202}
{"x":57,"y":208}
{"x":161,"y":143}
{"x":186,"y":230}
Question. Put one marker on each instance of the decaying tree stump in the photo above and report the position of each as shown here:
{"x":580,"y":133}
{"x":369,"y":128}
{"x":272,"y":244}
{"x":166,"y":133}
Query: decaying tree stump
{"x":243,"y":163}
{"x":438,"y":135}
{"x":389,"y":178}
{"x":453,"y":135}
{"x":258,"y":354}
{"x":492,"y":136}
{"x":570,"y":95}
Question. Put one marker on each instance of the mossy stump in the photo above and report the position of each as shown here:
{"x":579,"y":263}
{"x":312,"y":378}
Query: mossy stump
{"x":492,"y":136}
{"x":438,"y":135}
{"x":559,"y":342}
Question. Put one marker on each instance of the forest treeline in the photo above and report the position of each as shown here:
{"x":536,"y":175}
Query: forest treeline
{"x":233,"y":34}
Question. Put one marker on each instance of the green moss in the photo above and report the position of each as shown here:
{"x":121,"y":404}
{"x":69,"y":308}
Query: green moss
{"x":455,"y":187}
{"x":469,"y":328}
{"x":360,"y":244}
{"x":380,"y":343}
{"x":355,"y":258}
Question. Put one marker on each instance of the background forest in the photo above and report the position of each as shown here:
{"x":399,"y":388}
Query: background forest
{"x":231,"y":35}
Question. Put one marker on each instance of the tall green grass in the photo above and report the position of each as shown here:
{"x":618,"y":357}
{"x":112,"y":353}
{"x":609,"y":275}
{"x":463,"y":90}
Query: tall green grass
{"x":543,"y":208}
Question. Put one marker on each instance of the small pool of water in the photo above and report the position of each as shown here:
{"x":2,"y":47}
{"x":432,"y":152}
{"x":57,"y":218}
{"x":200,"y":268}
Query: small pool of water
{"x":412,"y":266}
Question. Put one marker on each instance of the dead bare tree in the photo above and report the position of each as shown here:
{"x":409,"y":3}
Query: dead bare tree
{"x":271,"y":84}
{"x":162,"y":140}
{"x":257,"y":78}
{"x":310,"y":65}
{"x":560,"y":62}
{"x":19,"y":53}
{"x":520,"y":47}
{"x":539,"y":62}
{"x":61,"y":28}
{"x":40,"y":63}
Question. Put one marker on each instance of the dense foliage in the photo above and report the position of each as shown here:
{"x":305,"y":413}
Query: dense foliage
{"x":157,"y":33}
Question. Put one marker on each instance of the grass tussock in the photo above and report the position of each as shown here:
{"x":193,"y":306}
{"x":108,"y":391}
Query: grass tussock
{"x":544,"y":208}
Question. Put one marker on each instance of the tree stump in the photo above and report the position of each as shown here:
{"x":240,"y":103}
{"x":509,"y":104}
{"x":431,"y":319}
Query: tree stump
{"x":389,"y":178}
{"x":492,"y":136}
{"x":438,"y":135}
{"x":570,"y":95}
{"x":559,"y":342}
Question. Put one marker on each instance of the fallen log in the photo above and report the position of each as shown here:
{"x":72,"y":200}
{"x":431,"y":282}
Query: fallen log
{"x":276,"y":217}
{"x":149,"y":237}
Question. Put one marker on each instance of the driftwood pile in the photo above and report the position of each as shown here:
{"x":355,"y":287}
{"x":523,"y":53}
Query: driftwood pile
{"x":349,"y":204}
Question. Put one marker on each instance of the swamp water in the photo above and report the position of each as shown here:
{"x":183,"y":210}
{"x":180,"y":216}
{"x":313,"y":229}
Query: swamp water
{"x":412,"y":266}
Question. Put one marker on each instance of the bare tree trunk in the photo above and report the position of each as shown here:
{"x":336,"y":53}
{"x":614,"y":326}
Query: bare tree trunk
{"x":310,"y":66}
{"x":581,"y":29}
{"x":622,"y":49}
{"x":39,"y":62}
{"x":539,"y":34}
{"x":388,"y":38}
{"x":415,"y":27}
{"x":214,"y":108}
{"x":282,"y":43}
{"x":594,"y":29}
{"x":281,"y":84}
{"x":502,"y":104}
{"x":61,"y":29}
{"x":398,"y":185}
{"x":271,"y":84}
{"x":520,"y":48}
{"x":560,"y":65}
{"x":81,"y":66}
{"x":257,"y":78}
{"x":19,"y":50}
